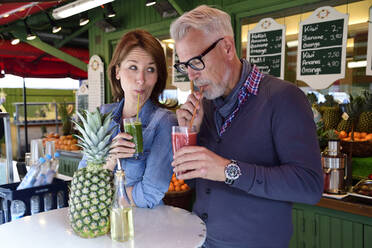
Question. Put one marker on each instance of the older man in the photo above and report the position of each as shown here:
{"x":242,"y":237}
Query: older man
{"x":257,"y":147}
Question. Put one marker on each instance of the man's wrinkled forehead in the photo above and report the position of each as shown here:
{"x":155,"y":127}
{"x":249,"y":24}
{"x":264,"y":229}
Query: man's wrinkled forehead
{"x":192,"y":44}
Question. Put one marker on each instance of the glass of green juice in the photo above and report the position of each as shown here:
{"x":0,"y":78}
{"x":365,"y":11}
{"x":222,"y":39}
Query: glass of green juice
{"x":133,"y":126}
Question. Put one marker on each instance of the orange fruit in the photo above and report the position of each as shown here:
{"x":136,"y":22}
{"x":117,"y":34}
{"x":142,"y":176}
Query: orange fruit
{"x":171,"y":187}
{"x":74,"y":147}
{"x":369,"y":136}
{"x":178,"y":188}
{"x":342,"y":135}
{"x":184,"y":187}
{"x":174,"y":179}
{"x":356,"y":135}
{"x":362,"y":135}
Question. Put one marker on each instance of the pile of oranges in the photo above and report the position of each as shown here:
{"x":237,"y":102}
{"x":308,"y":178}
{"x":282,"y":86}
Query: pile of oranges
{"x":66,"y":142}
{"x":358,"y":136}
{"x":177,"y":185}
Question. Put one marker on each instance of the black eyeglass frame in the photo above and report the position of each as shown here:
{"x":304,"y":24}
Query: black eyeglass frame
{"x":187,"y":63}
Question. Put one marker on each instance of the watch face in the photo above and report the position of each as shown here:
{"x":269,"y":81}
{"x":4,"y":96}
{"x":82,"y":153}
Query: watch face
{"x":233,"y":171}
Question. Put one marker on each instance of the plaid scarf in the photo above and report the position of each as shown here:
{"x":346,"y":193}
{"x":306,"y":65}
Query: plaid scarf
{"x":250,"y":87}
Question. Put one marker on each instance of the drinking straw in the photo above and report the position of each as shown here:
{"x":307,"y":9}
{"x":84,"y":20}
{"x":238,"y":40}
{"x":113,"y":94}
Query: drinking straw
{"x":138,"y":96}
{"x":196,"y":107}
{"x":119,"y":164}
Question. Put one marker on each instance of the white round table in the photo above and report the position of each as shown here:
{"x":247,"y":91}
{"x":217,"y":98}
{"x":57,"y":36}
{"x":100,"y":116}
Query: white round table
{"x":163,"y":226}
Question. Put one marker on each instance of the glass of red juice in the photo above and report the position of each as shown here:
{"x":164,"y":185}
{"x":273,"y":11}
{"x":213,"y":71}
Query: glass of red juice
{"x":183,"y":136}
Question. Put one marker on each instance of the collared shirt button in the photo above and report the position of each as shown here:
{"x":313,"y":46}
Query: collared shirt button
{"x":204,"y":216}
{"x":207,"y":191}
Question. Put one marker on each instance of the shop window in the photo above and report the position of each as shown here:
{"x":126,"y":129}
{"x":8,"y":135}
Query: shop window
{"x":355,"y":80}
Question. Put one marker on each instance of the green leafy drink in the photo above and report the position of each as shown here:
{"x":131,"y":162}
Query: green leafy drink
{"x":133,"y":126}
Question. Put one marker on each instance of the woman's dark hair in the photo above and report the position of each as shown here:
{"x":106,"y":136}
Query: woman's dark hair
{"x":144,"y":40}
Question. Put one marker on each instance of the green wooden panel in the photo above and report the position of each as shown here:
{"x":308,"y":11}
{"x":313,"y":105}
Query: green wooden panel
{"x":323,"y":231}
{"x":298,"y":222}
{"x":367,"y":242}
{"x":68,"y":165}
{"x":336,"y":232}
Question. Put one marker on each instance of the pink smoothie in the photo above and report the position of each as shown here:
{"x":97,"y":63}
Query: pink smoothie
{"x":183,"y":139}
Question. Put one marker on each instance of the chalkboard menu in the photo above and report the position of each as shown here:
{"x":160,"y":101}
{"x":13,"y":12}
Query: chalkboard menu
{"x":369,"y":51}
{"x":322,"y":48}
{"x":265,"y":47}
{"x":179,"y":80}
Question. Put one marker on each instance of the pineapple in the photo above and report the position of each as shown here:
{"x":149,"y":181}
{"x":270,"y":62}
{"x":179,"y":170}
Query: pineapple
{"x":65,"y":112}
{"x":331,"y":117}
{"x":344,"y":125}
{"x":365,"y":118}
{"x":330,"y":112}
{"x":91,"y":187}
{"x":353,"y":109}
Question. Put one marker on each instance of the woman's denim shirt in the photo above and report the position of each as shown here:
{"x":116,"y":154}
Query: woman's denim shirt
{"x":150,"y":173}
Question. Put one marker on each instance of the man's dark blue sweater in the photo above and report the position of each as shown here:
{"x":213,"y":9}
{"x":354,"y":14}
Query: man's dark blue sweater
{"x":273,"y":138}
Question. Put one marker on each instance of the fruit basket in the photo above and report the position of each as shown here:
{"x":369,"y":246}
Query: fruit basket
{"x":179,"y":194}
{"x":360,"y":148}
{"x":181,"y":199}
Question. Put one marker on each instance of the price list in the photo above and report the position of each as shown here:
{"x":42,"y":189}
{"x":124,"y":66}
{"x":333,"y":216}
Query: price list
{"x":321,"y":54}
{"x":322,"y":48}
{"x":265,"y":47}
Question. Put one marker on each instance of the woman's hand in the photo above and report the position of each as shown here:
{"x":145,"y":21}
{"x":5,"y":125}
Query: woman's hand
{"x":121,"y":147}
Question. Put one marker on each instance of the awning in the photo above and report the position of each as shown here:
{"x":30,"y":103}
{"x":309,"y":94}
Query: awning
{"x":27,"y":61}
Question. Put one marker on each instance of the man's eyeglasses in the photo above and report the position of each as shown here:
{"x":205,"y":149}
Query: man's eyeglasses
{"x":195,"y":63}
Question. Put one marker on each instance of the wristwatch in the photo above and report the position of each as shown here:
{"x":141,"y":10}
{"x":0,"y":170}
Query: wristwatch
{"x":232,"y":172}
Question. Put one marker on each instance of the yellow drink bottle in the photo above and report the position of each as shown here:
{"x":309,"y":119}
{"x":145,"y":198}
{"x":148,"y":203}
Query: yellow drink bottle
{"x":121,"y":216}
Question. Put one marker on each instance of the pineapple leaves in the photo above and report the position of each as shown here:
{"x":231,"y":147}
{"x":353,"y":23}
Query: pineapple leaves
{"x":95,"y":134}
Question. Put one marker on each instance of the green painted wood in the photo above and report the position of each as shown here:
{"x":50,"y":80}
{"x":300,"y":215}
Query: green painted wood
{"x":327,"y":228}
{"x":358,"y":235}
{"x":367,"y":242}
{"x":76,"y":33}
{"x":334,"y":213}
{"x":335,"y":233}
{"x":57,"y":53}
{"x":298,"y":220}
{"x":176,"y":6}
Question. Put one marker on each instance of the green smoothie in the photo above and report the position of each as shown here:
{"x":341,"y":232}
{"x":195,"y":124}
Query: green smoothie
{"x":134,"y":128}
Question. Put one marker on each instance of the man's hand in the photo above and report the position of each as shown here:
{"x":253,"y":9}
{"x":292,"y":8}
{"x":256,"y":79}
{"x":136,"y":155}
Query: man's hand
{"x":199,"y":162}
{"x":184,"y":113}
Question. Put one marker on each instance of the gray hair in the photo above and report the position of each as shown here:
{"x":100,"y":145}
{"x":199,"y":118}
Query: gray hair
{"x":204,"y":18}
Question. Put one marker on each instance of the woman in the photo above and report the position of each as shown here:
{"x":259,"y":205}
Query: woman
{"x":138,"y":67}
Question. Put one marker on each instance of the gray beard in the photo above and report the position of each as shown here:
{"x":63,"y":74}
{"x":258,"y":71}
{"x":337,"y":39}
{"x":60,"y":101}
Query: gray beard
{"x":214,"y":91}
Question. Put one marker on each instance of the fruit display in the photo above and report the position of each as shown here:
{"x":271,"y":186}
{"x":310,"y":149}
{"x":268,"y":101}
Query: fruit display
{"x":364,"y":187}
{"x":177,"y":185}
{"x":365,"y":118}
{"x":352,"y":122}
{"x":66,"y":110}
{"x":64,"y":142}
{"x":91,"y":189}
{"x":358,"y":136}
